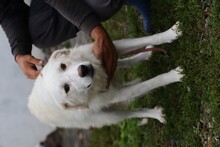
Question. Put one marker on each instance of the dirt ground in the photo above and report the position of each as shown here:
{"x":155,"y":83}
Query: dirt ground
{"x":67,"y":138}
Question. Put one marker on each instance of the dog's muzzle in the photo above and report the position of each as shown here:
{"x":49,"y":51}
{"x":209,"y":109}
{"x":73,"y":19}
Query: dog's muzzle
{"x":86,"y":70}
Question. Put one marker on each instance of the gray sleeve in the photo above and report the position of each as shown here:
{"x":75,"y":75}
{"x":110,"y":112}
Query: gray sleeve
{"x":77,"y":12}
{"x":13,"y":19}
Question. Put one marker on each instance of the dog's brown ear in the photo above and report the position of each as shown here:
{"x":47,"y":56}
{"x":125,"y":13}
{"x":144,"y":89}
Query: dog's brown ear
{"x":59,"y":53}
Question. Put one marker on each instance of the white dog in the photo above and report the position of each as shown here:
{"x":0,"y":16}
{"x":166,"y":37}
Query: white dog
{"x":71,"y":89}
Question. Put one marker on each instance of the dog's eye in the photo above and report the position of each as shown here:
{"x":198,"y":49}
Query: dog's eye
{"x":66,"y":88}
{"x":63,"y":66}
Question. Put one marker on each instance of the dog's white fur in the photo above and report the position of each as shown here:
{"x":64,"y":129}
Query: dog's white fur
{"x":63,"y":98}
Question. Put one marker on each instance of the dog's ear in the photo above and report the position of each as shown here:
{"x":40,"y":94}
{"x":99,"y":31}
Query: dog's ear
{"x":59,"y":53}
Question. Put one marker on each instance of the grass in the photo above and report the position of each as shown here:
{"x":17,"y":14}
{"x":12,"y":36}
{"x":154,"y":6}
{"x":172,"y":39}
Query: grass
{"x":191,"y":107}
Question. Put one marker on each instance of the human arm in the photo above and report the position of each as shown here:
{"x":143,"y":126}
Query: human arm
{"x":81,"y":15}
{"x":104,"y":50}
{"x":14,"y":21}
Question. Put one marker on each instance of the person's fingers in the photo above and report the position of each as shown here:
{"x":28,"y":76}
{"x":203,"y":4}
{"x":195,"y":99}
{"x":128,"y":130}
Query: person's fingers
{"x":30,"y":70}
{"x":110,"y":64}
{"x":35,"y":61}
{"x":33,"y":74}
{"x":28,"y":64}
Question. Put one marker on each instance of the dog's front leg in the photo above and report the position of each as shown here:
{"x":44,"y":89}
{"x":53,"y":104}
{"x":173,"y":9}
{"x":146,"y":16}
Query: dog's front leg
{"x":130,"y":92}
{"x":102,"y":118}
{"x":127,"y":45}
{"x":127,"y":62}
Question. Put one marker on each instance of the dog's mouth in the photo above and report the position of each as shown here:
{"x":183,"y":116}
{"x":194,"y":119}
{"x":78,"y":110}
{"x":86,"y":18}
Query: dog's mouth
{"x":89,"y":85}
{"x":71,"y":106}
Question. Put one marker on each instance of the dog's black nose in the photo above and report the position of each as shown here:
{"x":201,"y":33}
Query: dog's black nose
{"x":83,"y":70}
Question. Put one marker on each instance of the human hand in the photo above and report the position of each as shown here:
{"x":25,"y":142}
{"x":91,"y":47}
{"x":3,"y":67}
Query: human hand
{"x":104,"y":49}
{"x":28,"y":64}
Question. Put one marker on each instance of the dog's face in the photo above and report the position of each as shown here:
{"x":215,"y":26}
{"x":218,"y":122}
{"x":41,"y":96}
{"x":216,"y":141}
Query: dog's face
{"x":72,"y":77}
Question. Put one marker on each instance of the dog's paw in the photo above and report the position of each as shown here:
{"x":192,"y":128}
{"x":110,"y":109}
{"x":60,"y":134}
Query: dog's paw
{"x":148,"y":53}
{"x":143,"y":122}
{"x":176,"y":28}
{"x":176,"y":74}
{"x":159,"y":114}
{"x":155,"y":113}
{"x":173,"y":33}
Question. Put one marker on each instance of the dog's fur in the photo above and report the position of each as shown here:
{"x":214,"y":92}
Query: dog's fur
{"x":71,"y":89}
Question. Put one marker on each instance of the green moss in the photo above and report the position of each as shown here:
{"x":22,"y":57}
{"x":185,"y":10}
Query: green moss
{"x":191,"y":107}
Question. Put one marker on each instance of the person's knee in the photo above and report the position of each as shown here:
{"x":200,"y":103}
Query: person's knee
{"x":105,"y":9}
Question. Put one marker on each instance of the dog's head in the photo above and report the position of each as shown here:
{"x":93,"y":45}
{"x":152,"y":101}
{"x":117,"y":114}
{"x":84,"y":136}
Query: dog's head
{"x":70,"y":79}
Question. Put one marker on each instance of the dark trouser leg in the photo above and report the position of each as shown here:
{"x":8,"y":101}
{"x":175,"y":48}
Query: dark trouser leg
{"x":143,"y":6}
{"x":47,"y":27}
